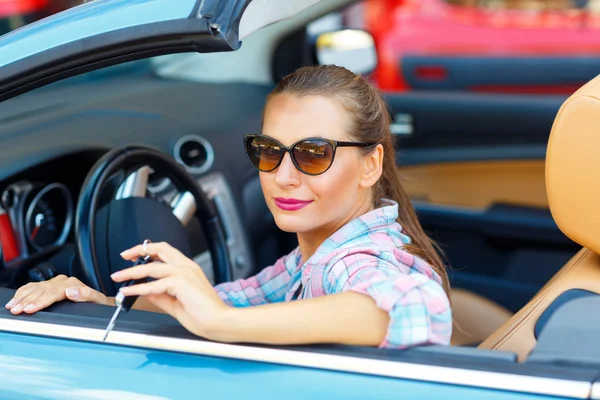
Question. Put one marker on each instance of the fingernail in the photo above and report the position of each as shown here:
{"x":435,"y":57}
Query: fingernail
{"x":28,"y":308}
{"x":72,"y":293}
{"x":10,"y":303}
{"x":17,"y":308}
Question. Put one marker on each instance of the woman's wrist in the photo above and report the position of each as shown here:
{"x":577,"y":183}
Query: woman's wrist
{"x":227,"y":327}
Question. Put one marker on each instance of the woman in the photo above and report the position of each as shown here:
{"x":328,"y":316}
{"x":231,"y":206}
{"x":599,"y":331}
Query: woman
{"x":364,"y":271}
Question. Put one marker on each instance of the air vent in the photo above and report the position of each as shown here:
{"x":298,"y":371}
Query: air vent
{"x":195,"y":153}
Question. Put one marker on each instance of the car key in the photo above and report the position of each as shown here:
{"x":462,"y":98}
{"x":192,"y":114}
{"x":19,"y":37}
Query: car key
{"x":126,"y":302}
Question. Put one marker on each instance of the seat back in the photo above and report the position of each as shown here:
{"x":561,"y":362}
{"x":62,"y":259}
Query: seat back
{"x":573,"y":186}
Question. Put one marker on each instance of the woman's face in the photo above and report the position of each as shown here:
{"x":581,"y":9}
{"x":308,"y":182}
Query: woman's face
{"x":319,"y":204}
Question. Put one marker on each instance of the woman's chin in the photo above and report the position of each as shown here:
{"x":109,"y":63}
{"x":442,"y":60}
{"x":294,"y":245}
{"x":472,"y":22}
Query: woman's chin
{"x":293,"y":223}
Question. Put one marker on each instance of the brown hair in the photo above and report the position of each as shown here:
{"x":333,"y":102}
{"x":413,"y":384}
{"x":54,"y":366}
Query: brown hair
{"x":369,"y":122}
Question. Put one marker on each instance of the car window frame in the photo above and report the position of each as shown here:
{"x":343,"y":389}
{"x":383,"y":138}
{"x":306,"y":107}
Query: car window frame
{"x":85,"y":322}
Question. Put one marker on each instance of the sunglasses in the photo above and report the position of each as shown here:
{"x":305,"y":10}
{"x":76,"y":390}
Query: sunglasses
{"x":311,"y":156}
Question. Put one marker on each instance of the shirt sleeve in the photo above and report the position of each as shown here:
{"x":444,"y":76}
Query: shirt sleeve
{"x":418,"y":307}
{"x":268,"y":286}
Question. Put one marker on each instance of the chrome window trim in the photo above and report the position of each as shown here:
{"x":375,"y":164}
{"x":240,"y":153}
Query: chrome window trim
{"x":392,"y":369}
{"x":595,"y":394}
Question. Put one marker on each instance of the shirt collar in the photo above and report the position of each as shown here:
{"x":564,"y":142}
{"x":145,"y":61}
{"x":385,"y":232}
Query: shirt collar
{"x":380,"y":218}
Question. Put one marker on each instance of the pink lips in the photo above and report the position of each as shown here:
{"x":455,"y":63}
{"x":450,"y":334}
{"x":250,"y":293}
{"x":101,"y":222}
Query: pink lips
{"x":291,"y":204}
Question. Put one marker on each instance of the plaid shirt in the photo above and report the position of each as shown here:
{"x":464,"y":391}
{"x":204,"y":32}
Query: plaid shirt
{"x":365,"y":256}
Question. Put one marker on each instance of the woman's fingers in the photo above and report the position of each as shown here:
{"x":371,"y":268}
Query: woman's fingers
{"x":152,"y":270}
{"x":158,"y":251}
{"x":85,"y":294}
{"x":31,"y":289}
{"x":28,"y":303}
{"x":21,"y":294}
{"x":32,"y":305}
{"x":36,"y":296}
{"x":170,"y":286}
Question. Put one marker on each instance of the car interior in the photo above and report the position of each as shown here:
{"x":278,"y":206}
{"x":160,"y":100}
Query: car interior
{"x":517,"y":230}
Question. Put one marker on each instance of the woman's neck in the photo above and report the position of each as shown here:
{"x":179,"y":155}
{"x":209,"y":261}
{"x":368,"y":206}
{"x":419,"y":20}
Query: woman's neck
{"x":310,"y":241}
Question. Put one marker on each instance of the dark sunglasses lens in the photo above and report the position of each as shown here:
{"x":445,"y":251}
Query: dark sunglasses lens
{"x":264,"y":153}
{"x":313,"y":156}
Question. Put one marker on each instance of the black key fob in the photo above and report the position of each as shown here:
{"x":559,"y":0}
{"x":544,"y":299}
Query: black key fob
{"x":128,"y":301}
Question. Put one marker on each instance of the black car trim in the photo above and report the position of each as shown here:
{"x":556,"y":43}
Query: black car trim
{"x":437,"y":119}
{"x":528,"y":224}
{"x":417,"y":156}
{"x":560,"y":301}
{"x":108,"y":49}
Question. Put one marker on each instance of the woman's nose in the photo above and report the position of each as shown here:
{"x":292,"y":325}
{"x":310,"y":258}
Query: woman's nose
{"x":287,"y":174}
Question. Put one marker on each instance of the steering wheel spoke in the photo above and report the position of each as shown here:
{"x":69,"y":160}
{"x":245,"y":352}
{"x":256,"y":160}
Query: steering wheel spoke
{"x":135,"y":185}
{"x":184,"y":207}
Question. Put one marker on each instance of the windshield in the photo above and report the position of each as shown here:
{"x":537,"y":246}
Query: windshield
{"x":95,"y":19}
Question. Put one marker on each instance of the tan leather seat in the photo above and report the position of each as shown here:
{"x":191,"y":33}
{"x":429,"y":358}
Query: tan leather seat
{"x":475,"y":317}
{"x":573,"y":185}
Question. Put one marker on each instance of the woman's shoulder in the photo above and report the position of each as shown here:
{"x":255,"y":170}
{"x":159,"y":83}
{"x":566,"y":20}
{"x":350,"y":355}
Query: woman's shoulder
{"x":375,"y":254}
{"x":367,"y":265}
{"x":290,"y":261}
{"x":385,"y":252}
{"x":387,"y":242}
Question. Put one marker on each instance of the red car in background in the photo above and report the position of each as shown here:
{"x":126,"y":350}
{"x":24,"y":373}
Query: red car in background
{"x":432,"y":44}
{"x":9,"y":8}
{"x":17,"y":13}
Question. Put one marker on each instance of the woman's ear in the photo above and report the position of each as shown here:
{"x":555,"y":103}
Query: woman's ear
{"x":373,"y":167}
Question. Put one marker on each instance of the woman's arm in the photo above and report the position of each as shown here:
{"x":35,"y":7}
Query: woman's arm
{"x":346,"y":318}
{"x":268,"y":286}
{"x":407,"y":289}
{"x":368,"y":302}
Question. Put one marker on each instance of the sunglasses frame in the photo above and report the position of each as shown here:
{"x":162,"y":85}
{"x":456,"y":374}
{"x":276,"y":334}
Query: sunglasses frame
{"x":289,"y":149}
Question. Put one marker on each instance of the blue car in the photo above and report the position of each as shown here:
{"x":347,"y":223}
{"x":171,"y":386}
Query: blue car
{"x":116,"y":110}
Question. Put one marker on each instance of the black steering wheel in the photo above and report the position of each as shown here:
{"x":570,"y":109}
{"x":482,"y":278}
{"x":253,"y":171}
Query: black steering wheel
{"x":106,"y":225}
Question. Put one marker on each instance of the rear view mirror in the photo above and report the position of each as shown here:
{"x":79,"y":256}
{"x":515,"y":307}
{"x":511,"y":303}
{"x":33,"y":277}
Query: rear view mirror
{"x":350,"y":48}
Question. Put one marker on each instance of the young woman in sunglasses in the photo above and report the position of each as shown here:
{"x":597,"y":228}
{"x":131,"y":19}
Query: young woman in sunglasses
{"x":364,"y":272}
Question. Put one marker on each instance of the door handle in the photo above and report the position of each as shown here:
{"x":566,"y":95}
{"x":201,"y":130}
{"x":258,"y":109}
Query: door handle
{"x":402,"y":125}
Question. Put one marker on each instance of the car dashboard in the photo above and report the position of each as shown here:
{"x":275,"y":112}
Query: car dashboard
{"x":53,"y":136}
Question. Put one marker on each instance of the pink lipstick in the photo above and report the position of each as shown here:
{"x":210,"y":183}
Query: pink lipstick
{"x":291,"y":204}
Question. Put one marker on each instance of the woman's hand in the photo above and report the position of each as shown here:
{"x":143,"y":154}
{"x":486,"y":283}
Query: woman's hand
{"x":36,"y":296}
{"x":180,"y":289}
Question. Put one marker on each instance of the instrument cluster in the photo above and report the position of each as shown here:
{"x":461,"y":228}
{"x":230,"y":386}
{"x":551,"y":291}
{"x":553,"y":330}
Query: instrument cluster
{"x":34,"y":217}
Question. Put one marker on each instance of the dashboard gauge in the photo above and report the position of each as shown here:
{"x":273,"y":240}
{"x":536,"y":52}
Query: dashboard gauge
{"x":49,"y":217}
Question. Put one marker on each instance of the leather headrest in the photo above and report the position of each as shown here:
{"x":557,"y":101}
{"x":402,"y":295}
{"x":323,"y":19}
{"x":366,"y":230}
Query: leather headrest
{"x":573,"y":167}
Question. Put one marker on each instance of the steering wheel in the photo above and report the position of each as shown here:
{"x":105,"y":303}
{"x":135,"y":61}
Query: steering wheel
{"x":107,"y":225}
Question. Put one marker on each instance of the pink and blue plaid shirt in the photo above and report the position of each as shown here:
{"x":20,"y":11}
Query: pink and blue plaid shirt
{"x":364,"y":256}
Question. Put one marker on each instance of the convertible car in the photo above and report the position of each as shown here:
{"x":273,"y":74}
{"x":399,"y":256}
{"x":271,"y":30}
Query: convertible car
{"x":116,"y":110}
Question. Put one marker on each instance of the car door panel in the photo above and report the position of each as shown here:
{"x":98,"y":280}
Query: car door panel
{"x":478,"y":184}
{"x":442,"y":119}
{"x":474,"y":167}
